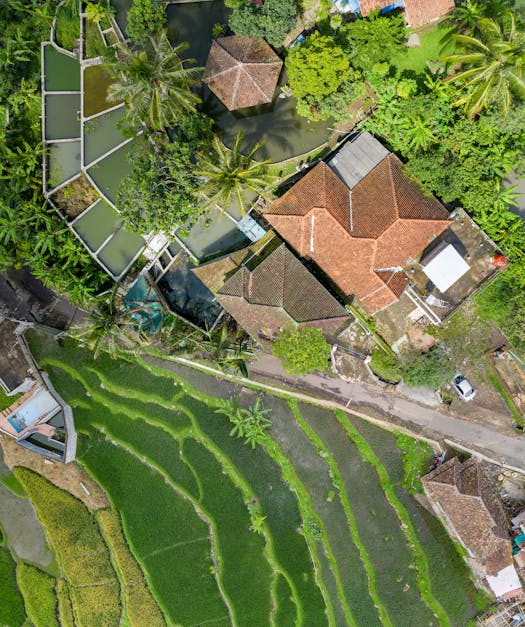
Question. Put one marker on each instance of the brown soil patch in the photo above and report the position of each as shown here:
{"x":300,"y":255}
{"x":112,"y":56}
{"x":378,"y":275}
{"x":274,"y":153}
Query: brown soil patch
{"x":75,"y":197}
{"x":65,"y":476}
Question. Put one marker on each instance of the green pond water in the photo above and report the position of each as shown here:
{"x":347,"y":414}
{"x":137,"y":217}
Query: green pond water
{"x":120,"y":251}
{"x":62,"y":72}
{"x":64,"y":162}
{"x":101,"y":134}
{"x":220,"y":234}
{"x":109,"y":172}
{"x":97,"y":224}
{"x":62,"y":116}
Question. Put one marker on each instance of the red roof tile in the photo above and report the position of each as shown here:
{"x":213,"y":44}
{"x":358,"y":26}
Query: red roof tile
{"x":385,"y":222}
{"x":242,"y":71}
{"x":419,"y":12}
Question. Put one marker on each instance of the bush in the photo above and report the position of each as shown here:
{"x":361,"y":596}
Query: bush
{"x":38,"y":589}
{"x":145,"y":18}
{"x":431,"y":369}
{"x":272,"y":20}
{"x":68,"y":25}
{"x":75,"y":538}
{"x":302,"y":351}
{"x":385,"y":366}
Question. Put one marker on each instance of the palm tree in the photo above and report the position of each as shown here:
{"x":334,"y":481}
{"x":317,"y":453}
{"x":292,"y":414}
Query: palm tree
{"x":154,"y":82}
{"x":109,"y":329}
{"x":228,"y":174}
{"x":466,"y":15}
{"x":493,"y":64}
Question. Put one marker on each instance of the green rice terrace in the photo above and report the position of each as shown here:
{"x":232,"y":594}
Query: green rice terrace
{"x":314,"y":526}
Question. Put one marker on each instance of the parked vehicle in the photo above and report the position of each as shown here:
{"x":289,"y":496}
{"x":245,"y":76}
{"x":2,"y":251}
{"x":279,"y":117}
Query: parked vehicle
{"x":463,"y":388}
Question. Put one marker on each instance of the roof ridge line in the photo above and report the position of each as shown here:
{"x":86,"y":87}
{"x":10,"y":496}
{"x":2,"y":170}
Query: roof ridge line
{"x":394,"y":191}
{"x":252,"y":79}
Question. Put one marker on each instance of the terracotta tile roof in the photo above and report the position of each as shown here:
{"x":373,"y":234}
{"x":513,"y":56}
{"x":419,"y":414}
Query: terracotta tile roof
{"x":474,"y":509}
{"x":384,"y":222}
{"x":242,"y":71}
{"x":278,"y":292}
{"x":419,"y":12}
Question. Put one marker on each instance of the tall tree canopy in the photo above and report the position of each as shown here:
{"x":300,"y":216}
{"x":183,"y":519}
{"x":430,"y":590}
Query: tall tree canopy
{"x":492,"y":64}
{"x":154,"y":82}
{"x":272,"y":19}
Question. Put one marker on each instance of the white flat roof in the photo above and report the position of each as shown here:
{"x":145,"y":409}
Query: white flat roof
{"x":446,"y":268}
{"x":504,"y":581}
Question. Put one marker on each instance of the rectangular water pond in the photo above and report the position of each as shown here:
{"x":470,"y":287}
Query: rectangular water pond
{"x":64,"y":162}
{"x":109,"y":172}
{"x":61,"y":72}
{"x":120,"y":251}
{"x":62,"y":113}
{"x":219,"y":233}
{"x":97,"y":224}
{"x":102,"y":134}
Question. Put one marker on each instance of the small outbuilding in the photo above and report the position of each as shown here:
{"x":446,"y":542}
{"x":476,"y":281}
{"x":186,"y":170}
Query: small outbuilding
{"x":242,"y":71}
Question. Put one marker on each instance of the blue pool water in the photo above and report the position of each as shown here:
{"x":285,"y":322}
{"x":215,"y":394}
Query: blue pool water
{"x":17,"y":423}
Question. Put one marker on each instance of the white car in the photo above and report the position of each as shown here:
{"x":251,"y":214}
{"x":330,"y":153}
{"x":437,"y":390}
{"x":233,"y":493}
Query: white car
{"x":463,"y":388}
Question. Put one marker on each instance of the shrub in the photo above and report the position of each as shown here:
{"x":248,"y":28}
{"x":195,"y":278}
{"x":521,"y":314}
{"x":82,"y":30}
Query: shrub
{"x":272,"y":19}
{"x":145,"y":18}
{"x":416,"y":459}
{"x":302,"y":351}
{"x":68,"y":25}
{"x":74,"y":535}
{"x":431,"y":369}
{"x":385,"y":366}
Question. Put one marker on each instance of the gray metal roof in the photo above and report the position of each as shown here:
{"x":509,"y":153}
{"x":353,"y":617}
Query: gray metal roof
{"x":357,"y":158}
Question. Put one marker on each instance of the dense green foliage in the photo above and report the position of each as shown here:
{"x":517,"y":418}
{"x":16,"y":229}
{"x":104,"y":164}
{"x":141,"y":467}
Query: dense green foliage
{"x":154,"y":82}
{"x":321,"y":78}
{"x":503,"y":301}
{"x":302,"y":351}
{"x":385,"y":366}
{"x":160,"y":192}
{"x":75,"y":538}
{"x":249,"y":424}
{"x":145,"y":18}
{"x":67,"y":30}
{"x":375,"y":39}
{"x":272,"y":19}
{"x":31,"y":233}
{"x":38,"y":589}
{"x":12,"y":612}
{"x":431,"y":369}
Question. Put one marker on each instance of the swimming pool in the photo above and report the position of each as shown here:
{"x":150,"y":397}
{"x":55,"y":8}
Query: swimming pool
{"x":38,"y":406}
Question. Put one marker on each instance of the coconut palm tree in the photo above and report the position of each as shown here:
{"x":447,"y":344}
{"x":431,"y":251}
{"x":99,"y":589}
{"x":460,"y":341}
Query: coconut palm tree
{"x":109,"y":329}
{"x":154,"y":82}
{"x":492,"y":64}
{"x":228,"y":174}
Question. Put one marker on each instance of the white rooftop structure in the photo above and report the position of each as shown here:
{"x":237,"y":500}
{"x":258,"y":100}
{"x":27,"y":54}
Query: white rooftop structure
{"x":445,"y":267}
{"x":504,"y":581}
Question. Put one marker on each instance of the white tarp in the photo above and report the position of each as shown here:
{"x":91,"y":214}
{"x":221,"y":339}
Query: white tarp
{"x":504,"y":581}
{"x":446,"y":268}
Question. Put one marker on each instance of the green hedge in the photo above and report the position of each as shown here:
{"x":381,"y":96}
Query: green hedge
{"x":74,"y":535}
{"x":38,"y":590}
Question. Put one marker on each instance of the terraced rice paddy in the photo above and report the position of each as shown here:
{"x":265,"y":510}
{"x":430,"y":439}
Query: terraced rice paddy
{"x":312,"y":529}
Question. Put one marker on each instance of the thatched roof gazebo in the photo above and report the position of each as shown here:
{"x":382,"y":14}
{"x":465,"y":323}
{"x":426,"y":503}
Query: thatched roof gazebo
{"x":242,"y":71}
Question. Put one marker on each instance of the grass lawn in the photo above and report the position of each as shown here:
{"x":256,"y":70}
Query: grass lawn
{"x":431,"y":48}
{"x":7,"y":401}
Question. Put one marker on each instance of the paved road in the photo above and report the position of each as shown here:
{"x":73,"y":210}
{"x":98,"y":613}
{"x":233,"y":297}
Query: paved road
{"x":427,"y":421}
